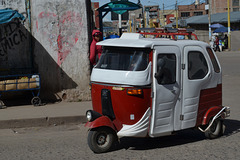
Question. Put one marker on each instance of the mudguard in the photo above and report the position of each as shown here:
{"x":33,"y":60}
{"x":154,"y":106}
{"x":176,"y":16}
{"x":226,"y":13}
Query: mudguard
{"x":100,"y":122}
{"x":211,"y":112}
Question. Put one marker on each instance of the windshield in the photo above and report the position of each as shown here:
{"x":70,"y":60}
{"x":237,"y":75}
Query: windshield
{"x":126,"y":59}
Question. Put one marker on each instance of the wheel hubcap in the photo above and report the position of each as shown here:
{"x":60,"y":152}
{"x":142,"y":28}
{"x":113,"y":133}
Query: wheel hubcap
{"x":213,"y":127}
{"x":101,"y":139}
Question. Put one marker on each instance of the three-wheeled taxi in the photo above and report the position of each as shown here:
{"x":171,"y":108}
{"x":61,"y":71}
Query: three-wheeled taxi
{"x":153,"y":87}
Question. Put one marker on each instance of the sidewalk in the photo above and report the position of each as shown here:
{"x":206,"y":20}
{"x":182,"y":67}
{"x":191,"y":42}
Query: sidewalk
{"x":50,"y":114}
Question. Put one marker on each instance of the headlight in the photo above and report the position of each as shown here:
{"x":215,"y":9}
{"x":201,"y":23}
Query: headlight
{"x":92,"y":115}
{"x":89,"y":115}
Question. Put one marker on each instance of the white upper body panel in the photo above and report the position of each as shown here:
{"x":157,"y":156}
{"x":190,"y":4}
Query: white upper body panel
{"x":135,"y":40}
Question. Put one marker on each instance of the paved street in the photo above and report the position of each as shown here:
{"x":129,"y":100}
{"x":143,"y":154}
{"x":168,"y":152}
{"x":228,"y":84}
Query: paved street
{"x":70,"y":142}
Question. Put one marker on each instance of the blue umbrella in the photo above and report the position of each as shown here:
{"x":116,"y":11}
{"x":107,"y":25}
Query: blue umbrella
{"x":221,"y":30}
{"x":217,"y":25}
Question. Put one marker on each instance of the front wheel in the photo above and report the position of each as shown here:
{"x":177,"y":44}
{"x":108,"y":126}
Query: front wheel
{"x":101,"y":139}
{"x":216,"y":130}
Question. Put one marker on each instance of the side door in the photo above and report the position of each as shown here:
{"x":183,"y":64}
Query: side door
{"x":166,"y":89}
{"x":196,"y":76}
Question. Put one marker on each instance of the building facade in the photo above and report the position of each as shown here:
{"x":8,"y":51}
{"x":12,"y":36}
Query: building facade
{"x":95,"y":6}
{"x":151,"y":16}
{"x":220,"y":6}
{"x":167,"y":16}
{"x":195,"y":9}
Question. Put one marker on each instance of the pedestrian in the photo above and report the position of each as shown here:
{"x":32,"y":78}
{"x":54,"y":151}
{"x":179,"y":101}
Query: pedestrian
{"x":217,"y":43}
{"x":220,"y":45}
{"x":225,"y":39}
{"x":95,"y":50}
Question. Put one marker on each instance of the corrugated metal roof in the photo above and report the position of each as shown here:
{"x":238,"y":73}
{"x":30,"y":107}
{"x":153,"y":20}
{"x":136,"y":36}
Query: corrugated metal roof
{"x":215,"y":18}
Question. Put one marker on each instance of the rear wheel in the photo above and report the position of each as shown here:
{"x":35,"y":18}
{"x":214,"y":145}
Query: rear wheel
{"x":36,"y":101}
{"x":101,"y":139}
{"x":216,"y":130}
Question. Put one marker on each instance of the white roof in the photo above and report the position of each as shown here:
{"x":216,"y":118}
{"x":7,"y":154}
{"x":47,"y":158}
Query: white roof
{"x":127,"y":40}
{"x":138,"y":41}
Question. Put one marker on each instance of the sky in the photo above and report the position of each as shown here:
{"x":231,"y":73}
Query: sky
{"x":168,"y":4}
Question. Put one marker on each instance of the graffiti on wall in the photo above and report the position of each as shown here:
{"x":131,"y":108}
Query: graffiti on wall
{"x":11,"y":35}
{"x":68,"y":37}
{"x":61,"y":29}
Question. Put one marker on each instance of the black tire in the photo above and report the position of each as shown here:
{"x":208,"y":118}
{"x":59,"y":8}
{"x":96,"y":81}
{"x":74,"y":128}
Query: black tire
{"x":36,"y":101}
{"x":101,"y":139}
{"x":216,"y":130}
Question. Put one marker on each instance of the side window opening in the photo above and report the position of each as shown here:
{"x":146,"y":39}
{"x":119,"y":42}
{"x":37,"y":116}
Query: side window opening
{"x":213,"y":60}
{"x":166,"y":69}
{"x":197,"y":65}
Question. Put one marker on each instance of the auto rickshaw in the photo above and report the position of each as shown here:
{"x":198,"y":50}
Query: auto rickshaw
{"x":151,"y":87}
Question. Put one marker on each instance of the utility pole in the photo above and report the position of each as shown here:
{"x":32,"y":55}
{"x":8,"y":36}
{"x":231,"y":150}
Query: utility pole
{"x":163,"y":7}
{"x":229,"y":31}
{"x":163,"y":18}
{"x":209,"y":19}
{"x":142,"y":16}
{"x":120,"y":24}
{"x":176,"y":15}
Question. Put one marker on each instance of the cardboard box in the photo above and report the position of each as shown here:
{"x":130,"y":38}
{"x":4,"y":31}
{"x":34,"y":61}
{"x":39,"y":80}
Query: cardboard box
{"x":26,"y":83}
{"x":2,"y":85}
{"x":11,"y":85}
{"x":33,"y":83}
{"x":22,"y":84}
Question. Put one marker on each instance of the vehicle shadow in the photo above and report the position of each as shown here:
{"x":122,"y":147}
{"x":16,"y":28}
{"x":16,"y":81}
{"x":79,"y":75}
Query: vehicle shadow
{"x":232,"y":127}
{"x":179,"y":138}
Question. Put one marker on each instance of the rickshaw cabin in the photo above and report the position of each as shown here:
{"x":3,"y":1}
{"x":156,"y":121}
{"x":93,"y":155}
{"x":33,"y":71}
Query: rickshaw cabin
{"x":155,"y":86}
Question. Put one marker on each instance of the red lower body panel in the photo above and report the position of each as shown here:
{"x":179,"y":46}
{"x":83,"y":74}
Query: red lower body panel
{"x":208,"y":98}
{"x":128,"y":109}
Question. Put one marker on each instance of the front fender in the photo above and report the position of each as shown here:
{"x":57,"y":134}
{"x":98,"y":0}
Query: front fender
{"x":100,"y":122}
{"x":211,"y":112}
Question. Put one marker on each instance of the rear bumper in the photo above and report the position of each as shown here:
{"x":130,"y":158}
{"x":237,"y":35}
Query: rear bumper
{"x":227,"y":111}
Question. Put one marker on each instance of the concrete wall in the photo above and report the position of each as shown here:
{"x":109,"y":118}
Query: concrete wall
{"x":59,"y":38}
{"x":14,"y":41}
{"x":202,"y":35}
{"x":235,"y":41}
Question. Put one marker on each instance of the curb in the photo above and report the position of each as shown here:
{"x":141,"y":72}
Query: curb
{"x":41,"y":122}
